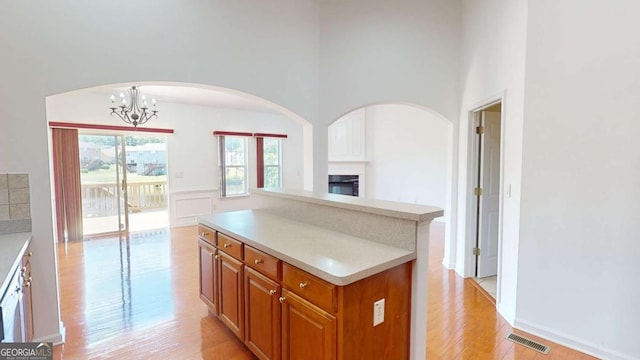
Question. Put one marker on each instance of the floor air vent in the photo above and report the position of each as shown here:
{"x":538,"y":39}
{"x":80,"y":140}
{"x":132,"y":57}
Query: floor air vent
{"x":529,"y":343}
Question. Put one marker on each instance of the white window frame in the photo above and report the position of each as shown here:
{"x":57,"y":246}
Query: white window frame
{"x":222,"y":155}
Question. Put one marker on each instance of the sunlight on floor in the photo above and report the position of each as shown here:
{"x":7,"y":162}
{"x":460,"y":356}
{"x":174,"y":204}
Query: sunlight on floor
{"x":146,"y":220}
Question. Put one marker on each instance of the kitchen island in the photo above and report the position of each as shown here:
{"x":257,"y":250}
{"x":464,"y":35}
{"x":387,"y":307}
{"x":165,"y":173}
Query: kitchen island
{"x":337,"y":276}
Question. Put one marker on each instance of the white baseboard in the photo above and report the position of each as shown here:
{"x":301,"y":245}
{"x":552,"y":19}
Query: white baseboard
{"x":56,"y":339}
{"x":570,"y":341}
{"x":449,"y":265}
{"x":510,"y":319}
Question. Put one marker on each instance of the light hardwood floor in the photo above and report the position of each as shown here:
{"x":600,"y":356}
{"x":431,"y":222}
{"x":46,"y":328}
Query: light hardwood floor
{"x":137,"y":298}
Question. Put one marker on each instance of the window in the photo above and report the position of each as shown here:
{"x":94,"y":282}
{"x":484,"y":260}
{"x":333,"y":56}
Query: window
{"x":233,"y":165}
{"x":269,"y":159}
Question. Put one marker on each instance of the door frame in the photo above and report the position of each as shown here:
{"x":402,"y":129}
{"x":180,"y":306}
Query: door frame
{"x":471,"y":215}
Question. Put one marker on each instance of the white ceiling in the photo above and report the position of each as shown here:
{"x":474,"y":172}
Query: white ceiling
{"x":194,"y":96}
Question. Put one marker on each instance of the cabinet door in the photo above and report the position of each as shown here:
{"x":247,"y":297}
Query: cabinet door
{"x":230,"y":299}
{"x":208,"y":273}
{"x":12,"y":315}
{"x":308,"y":332}
{"x":262,"y":315}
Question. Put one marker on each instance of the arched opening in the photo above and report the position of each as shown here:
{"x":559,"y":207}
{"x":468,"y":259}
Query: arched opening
{"x":400,"y":152}
{"x":193,"y":111}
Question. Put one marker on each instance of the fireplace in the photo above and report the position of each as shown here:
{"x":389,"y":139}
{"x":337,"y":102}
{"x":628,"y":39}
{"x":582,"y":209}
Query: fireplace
{"x":344,"y":184}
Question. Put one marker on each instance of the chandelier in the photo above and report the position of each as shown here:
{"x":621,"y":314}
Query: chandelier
{"x":134,"y":111}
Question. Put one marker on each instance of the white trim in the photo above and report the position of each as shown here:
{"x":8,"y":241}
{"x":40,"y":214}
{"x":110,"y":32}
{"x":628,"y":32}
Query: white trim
{"x":419,"y":288}
{"x":57,"y":338}
{"x":570,"y":341}
{"x":448,"y":265}
{"x":188,"y":192}
{"x":471,"y":201}
{"x":507,"y":316}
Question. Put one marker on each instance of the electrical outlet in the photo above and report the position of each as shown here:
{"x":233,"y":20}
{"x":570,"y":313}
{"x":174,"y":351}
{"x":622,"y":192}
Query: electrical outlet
{"x":378,"y":312}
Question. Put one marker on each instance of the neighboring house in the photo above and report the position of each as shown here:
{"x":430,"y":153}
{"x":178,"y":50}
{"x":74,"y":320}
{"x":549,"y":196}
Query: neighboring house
{"x":147,"y":159}
{"x":567,"y":71}
{"x":89,"y":151}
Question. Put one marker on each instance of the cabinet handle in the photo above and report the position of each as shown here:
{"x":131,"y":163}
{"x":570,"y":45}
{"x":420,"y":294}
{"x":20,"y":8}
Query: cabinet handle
{"x":258,"y":261}
{"x":272,"y":292}
{"x":216,"y":257}
{"x":226,"y":246}
{"x":282,"y":299}
{"x":30,"y":254}
{"x":203,"y":234}
{"x":304,"y":285}
{"x":27,"y":283}
{"x":211,"y":254}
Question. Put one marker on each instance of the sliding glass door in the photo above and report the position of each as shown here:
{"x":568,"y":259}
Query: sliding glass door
{"x":146,"y":166}
{"x":103,"y":181}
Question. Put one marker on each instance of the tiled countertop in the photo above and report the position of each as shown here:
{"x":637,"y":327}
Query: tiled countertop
{"x":335,"y":257}
{"x":12,"y":247}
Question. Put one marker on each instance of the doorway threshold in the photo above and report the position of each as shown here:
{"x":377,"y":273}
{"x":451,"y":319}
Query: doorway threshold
{"x":487,"y":286}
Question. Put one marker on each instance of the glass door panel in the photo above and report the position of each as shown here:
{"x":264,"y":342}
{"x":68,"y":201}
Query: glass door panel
{"x":147,"y":182}
{"x":103,"y":182}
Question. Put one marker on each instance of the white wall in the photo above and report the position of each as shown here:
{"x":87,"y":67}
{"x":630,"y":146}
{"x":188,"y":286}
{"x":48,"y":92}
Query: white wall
{"x":407,"y":150}
{"x":268,"y":49}
{"x":377,"y":51}
{"x":193,"y":151}
{"x":493,"y":60}
{"x":579,"y":236}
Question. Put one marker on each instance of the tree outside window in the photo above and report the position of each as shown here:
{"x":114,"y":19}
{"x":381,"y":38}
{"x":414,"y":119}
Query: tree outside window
{"x":272,"y":162}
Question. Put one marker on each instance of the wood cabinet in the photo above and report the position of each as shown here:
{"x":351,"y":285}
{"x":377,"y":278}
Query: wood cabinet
{"x":308,"y":332}
{"x":230,"y":296}
{"x":283,"y":312}
{"x":208,"y":274}
{"x":263,"y":314}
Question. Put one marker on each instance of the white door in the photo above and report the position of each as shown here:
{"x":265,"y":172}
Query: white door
{"x":489,"y":209}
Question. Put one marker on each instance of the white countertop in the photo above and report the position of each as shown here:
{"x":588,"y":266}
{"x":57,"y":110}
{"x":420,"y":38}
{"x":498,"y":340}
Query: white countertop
{"x":335,"y":257}
{"x":12,"y":247}
{"x":399,"y":210}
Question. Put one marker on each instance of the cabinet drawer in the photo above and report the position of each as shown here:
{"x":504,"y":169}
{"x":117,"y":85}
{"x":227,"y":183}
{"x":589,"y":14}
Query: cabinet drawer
{"x":317,"y":291}
{"x":230,"y":246}
{"x":207,"y":234}
{"x":263,"y":262}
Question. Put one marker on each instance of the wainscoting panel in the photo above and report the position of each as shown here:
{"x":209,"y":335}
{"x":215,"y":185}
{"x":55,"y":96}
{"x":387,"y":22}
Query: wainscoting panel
{"x":187,"y":205}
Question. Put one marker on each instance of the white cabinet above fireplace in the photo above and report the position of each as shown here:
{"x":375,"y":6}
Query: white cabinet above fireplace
{"x":346,"y":138}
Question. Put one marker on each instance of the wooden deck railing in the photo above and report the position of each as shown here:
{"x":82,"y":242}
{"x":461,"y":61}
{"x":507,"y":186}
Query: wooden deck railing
{"x":102,"y":200}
